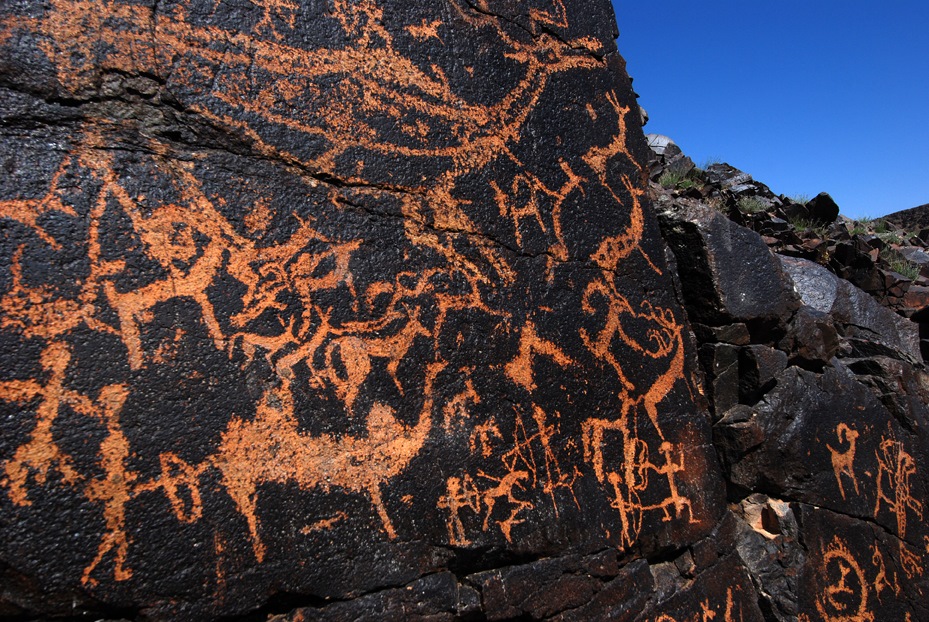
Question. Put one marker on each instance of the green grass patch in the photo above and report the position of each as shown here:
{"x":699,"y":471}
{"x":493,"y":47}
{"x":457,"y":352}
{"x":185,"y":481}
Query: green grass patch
{"x":682,"y":181}
{"x":671,"y":179}
{"x":880,"y":226}
{"x":751,"y":205}
{"x":889,"y":237}
{"x":900,"y":264}
{"x":805,"y":224}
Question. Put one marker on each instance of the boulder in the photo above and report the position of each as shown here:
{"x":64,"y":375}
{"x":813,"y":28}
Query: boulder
{"x":854,"y":311}
{"x":667,"y":156}
{"x":727,"y":272}
{"x":330,"y":305}
{"x":725,"y":176}
{"x":822,"y":208}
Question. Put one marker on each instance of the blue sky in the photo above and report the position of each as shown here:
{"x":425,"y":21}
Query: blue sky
{"x":811,"y":96}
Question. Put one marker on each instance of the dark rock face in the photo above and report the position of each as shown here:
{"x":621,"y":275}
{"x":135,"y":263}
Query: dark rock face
{"x":822,"y":208}
{"x":729,"y":275}
{"x":821,"y":417}
{"x":857,"y":314}
{"x":358,"y":310}
{"x":328,"y":299}
{"x":913,"y":218}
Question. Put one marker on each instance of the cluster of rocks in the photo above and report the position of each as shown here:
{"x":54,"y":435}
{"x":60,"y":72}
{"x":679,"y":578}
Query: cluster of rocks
{"x":803,"y":370}
{"x":887,"y":257}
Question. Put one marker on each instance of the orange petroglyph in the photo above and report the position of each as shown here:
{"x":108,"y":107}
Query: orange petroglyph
{"x":356,"y":353}
{"x":36,"y":310}
{"x":665,"y":342}
{"x":881,"y":581}
{"x":324,"y":524}
{"x":558,"y":17}
{"x":259,"y":218}
{"x":519,"y":370}
{"x":455,"y":412}
{"x":482,"y":438}
{"x":41,"y":453}
{"x":425,"y":30}
{"x":115,"y":490}
{"x":709,"y":613}
{"x":663,"y":333}
{"x":894,"y":470}
{"x":257,"y":86}
{"x":555,"y":478}
{"x":271,"y":449}
{"x":275,"y":10}
{"x":28,"y":211}
{"x":844,"y":595}
{"x":616,"y":248}
{"x":168,"y":348}
{"x":910,"y":562}
{"x":634,"y":479}
{"x":843,"y":462}
{"x":461,"y":493}
{"x":523,"y":454}
{"x":219,"y":549}
{"x":531,"y":462}
{"x":176,"y":475}
{"x":503,"y":490}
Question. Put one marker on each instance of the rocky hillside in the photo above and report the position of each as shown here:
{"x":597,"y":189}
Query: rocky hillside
{"x":913,"y":218}
{"x":369,"y":310}
{"x":886,"y":257}
{"x":808,"y":329}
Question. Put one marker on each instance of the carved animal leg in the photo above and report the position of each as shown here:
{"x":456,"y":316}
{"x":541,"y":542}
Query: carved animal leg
{"x":375,"y":492}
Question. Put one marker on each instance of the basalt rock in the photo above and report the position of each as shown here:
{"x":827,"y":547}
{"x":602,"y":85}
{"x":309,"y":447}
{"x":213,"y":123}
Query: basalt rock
{"x":360,"y":311}
{"x":346,"y":305}
{"x":821,"y":424}
{"x":667,"y":156}
{"x":914,"y":218}
{"x":726,"y":271}
{"x":823,"y":208}
{"x":859,"y":316}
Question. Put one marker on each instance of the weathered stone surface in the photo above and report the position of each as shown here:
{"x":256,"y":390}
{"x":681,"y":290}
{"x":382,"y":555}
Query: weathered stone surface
{"x":769,"y":546}
{"x":724,"y":591}
{"x":811,"y":338}
{"x":759,"y":365}
{"x":726,"y":176}
{"x":858,"y":314}
{"x":727,"y":272}
{"x":721,"y":362}
{"x":826,"y":440}
{"x":322,"y":298}
{"x":822,"y":208}
{"x":736,"y":334}
{"x":858,"y":571}
{"x":435,"y":598}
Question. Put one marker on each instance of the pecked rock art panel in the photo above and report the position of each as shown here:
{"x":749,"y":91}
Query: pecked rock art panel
{"x":859,"y":571}
{"x":313,"y":297}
